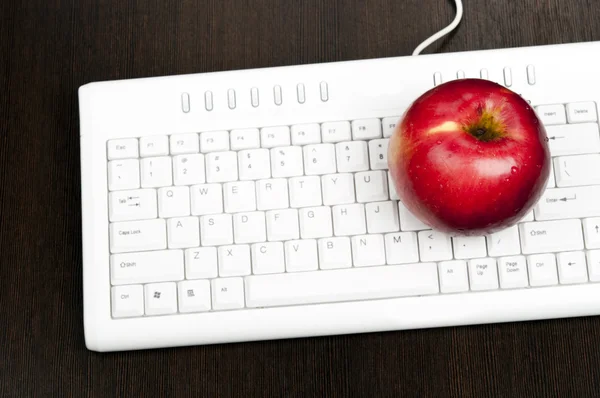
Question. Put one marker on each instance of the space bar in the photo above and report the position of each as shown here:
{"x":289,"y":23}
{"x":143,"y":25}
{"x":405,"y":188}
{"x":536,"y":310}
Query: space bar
{"x":341,"y":285}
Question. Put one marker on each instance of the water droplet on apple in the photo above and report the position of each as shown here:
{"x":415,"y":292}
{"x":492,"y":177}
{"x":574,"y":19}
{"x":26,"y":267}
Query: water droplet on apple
{"x":513,"y":170}
{"x":441,"y":186}
{"x":439,"y":142}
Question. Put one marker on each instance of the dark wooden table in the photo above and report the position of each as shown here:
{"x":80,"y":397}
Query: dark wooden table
{"x":49,"y":48}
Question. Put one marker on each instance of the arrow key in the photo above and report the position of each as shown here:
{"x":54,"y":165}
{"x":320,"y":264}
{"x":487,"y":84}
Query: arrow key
{"x":591,"y":232}
{"x":572,"y":267}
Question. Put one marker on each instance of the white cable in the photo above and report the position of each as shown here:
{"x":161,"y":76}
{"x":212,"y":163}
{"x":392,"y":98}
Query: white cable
{"x":443,"y":32}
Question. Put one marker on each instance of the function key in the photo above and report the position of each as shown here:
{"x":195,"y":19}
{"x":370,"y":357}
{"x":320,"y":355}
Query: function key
{"x":366,"y":129}
{"x":336,"y":131}
{"x":154,"y":146}
{"x":389,"y":125}
{"x":214,"y":141}
{"x":581,"y":112}
{"x":123,"y":149}
{"x":184,"y":143}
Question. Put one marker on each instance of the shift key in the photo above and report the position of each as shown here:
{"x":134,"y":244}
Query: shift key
{"x":551,"y":236}
{"x":133,"y":236}
{"x":146,"y":267}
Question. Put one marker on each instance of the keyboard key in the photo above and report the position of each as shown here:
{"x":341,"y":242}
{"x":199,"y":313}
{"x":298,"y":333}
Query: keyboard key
{"x":315,"y":222}
{"x":335,"y":253}
{"x":272,"y":194}
{"x":542,"y":270}
{"x":575,"y":202}
{"x":157,"y":145}
{"x":368,"y":250}
{"x":581,"y":112}
{"x":513,"y":272}
{"x":305,"y":191}
{"x":371,"y":186}
{"x":319,"y":159}
{"x":201,"y":263}
{"x":552,"y":114}
{"x":183,"y":232}
{"x":341,"y":285}
{"x":408,"y":222}
{"x":194,"y":296}
{"x":483,"y":274}
{"x":133,"y":236}
{"x":366,"y":129}
{"x":221,"y":166}
{"x":214,"y":141}
{"x":382,"y":217}
{"x":305,"y":134}
{"x":274,"y":136}
{"x":184,"y":143}
{"x":336,"y":131}
{"x":389,"y":125}
{"x":572,"y":267}
{"x":401,"y":248}
{"x":453,"y":276}
{"x":282,"y":225}
{"x":469,"y":247}
{"x":123,"y":174}
{"x":173,"y":202}
{"x":528,"y":217}
{"x":188,"y":169}
{"x":573,"y":139}
{"x":227,"y":293}
{"x":577,"y":170}
{"x":338,"y":189}
{"x":352,"y":156}
{"x":254,"y":164}
{"x":593,"y":261}
{"x":591,"y":232}
{"x":139,"y":204}
{"x":301,"y":255}
{"x":551,"y":236}
{"x":392,"y":188}
{"x":206,"y":199}
{"x":286,"y":161}
{"x":378,"y":150}
{"x":156,"y":172}
{"x":434,"y":246}
{"x":122,"y":149}
{"x":127,"y":301}
{"x":504,"y":242}
{"x":349,"y":219}
{"x":268,"y":258}
{"x":249,"y":227}
{"x":160,"y":298}
{"x":234,"y":260}
{"x":244,"y":139}
{"x":239,"y":196}
{"x":216,"y":230}
{"x":146,"y":267}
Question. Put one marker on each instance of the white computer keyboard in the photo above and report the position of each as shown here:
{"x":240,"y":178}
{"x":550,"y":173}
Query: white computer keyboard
{"x":250,"y":205}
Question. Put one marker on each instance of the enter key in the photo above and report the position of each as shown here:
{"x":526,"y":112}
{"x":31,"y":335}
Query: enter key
{"x":574,"y":202}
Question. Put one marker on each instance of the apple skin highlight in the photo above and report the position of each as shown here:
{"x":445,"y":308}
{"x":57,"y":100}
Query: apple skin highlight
{"x":469,"y":157}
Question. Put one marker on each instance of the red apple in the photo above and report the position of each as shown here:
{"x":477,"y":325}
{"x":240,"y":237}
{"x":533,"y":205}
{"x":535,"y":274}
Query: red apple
{"x":469,"y":157}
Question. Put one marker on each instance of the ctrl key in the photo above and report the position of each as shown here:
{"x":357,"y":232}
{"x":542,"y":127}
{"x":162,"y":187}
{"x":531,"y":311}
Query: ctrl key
{"x":127,"y":301}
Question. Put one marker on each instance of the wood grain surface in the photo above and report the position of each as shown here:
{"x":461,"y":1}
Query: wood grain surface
{"x":48,"y":48}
